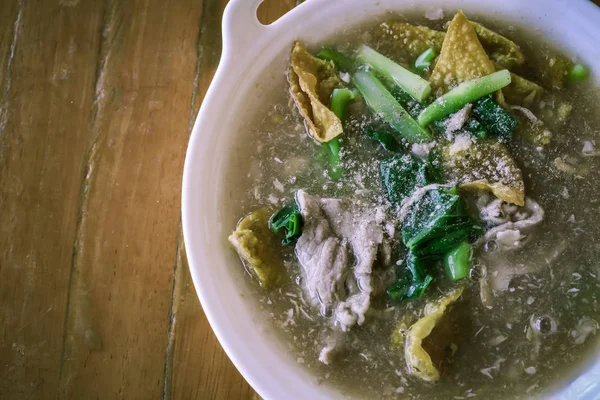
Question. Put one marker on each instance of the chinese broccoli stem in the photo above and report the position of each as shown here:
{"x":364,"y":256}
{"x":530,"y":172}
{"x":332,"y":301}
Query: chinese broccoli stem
{"x":412,"y":83}
{"x":463,"y":94}
{"x":425,"y":59}
{"x":458,"y":262}
{"x":384,"y":105}
{"x":341,"y":62}
{"x":340,"y":98}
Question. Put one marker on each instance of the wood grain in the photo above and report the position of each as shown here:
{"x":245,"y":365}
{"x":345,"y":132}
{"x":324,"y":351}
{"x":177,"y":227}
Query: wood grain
{"x":200,"y":367}
{"x":122,"y":279}
{"x":48,"y":57}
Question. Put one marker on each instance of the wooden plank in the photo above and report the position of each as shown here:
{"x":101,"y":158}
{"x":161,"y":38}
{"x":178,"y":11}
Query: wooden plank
{"x":270,"y":10}
{"x":198,"y":366}
{"x":10,"y":21}
{"x":49,"y":50}
{"x":120,"y":294}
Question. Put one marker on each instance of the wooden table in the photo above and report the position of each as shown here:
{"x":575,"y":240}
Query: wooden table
{"x":97,"y":100}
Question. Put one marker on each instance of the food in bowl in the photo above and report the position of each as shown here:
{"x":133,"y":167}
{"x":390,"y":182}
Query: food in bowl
{"x":421,"y":213}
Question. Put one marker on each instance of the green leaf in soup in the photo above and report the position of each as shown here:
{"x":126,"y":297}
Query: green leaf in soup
{"x":415,"y":282}
{"x":495,"y":118}
{"x":476,"y":128}
{"x":442,"y":244}
{"x":402,"y":174}
{"x":383,"y":136}
{"x":289,"y":220}
{"x":425,"y":219}
{"x":405,"y":289}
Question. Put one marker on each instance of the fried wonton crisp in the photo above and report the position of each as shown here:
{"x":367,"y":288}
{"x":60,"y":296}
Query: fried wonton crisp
{"x":418,"y":360}
{"x":312,"y":81}
{"x":258,"y":248}
{"x":485,"y":165}
{"x":499,"y":48}
{"x":462,"y":57}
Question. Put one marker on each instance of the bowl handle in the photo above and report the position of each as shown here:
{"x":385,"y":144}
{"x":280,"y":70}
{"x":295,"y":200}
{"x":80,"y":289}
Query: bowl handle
{"x":241,"y":26}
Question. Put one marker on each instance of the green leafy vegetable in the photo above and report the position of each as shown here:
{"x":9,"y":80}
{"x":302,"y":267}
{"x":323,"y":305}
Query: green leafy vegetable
{"x":425,"y":59}
{"x":436,"y":219}
{"x":405,"y":289}
{"x":578,"y":73}
{"x":387,"y":139}
{"x":341,"y":62}
{"x":458,"y":262}
{"x":463,"y":94}
{"x":435,"y":225}
{"x":495,"y":118}
{"x":402,"y":174}
{"x":416,"y":285}
{"x":382,"y":103}
{"x":412,"y":83}
{"x":290,"y":221}
{"x":476,"y":128}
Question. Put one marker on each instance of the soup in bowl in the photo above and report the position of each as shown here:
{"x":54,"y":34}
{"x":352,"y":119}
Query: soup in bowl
{"x":401,"y":206}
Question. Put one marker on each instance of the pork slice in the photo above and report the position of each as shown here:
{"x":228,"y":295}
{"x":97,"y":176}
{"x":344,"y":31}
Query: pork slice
{"x":340,"y":244}
{"x":322,"y":254}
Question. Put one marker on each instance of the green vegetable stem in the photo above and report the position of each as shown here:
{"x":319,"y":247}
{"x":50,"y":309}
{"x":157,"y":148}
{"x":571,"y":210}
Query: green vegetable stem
{"x":341,"y":62}
{"x":463,"y":94}
{"x":425,"y":59}
{"x":340,"y":98}
{"x":412,"y":83}
{"x":384,"y":105}
{"x":458,"y":262}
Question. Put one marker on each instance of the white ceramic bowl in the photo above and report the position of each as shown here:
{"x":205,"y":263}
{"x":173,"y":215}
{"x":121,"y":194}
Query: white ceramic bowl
{"x":249,"y":48}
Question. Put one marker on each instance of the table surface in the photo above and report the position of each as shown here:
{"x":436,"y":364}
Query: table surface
{"x":97,"y":100}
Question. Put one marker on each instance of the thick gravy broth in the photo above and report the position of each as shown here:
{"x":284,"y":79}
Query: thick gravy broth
{"x":528,"y":318}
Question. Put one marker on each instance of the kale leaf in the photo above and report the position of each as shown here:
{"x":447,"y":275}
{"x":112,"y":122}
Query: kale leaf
{"x":435,"y":225}
{"x":494,"y":118}
{"x":290,"y":221}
